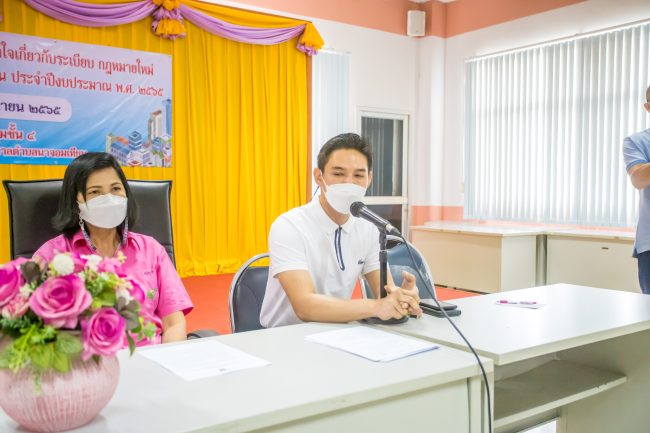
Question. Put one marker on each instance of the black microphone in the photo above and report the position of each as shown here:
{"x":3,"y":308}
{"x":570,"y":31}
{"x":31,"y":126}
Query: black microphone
{"x":360,"y":210}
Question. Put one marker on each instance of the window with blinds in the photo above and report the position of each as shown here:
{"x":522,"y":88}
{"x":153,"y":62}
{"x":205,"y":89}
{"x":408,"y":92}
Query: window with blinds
{"x":545,"y":127}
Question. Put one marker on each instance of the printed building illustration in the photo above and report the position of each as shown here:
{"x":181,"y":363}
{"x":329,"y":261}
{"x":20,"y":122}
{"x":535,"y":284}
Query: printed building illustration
{"x":155,"y":151}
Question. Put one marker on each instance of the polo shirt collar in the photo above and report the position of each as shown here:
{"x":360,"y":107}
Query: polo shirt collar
{"x":325,"y":221}
{"x":79,"y":239}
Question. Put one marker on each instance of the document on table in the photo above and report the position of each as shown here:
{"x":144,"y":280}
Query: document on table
{"x":371,"y":343}
{"x":201,"y":359}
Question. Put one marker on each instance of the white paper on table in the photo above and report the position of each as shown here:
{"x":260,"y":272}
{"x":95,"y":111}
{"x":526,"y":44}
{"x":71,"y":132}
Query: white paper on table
{"x":371,"y":343}
{"x":201,"y":359}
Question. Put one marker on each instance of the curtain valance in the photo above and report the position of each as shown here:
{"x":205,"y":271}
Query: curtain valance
{"x":168,"y":16}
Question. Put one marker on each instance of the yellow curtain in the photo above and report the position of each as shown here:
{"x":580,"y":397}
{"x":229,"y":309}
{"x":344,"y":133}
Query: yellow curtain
{"x":239,"y":144}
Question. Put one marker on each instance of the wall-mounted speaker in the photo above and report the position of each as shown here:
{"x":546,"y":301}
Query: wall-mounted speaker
{"x":415,"y":21}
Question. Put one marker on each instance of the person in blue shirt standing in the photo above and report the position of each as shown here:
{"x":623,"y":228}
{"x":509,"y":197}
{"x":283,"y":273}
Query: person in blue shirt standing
{"x":636,"y":154}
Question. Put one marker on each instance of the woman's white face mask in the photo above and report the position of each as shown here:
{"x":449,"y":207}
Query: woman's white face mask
{"x":106,"y":211}
{"x":341,"y":195}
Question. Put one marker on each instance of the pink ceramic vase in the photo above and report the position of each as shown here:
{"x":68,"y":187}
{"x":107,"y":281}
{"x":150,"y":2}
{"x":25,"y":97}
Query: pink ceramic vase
{"x":66,"y":400}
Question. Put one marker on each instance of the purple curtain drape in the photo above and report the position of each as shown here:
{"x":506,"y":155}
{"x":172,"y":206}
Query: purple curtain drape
{"x":249,"y":35}
{"x":94,"y":15}
{"x":100,"y":15}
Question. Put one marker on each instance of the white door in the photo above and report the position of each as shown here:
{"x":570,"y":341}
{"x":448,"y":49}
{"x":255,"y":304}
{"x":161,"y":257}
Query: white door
{"x":387,"y":133}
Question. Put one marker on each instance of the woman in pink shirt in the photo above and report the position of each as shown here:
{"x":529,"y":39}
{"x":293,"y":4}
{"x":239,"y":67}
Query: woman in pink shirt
{"x":95,"y":209}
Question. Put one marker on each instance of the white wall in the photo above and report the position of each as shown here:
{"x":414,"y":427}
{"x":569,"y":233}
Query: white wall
{"x":382,"y":65}
{"x":583,"y":17}
{"x":426,"y":162}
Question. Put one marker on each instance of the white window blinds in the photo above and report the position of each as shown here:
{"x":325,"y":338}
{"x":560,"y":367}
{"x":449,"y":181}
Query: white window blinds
{"x":545,"y":126}
{"x":330,"y":97}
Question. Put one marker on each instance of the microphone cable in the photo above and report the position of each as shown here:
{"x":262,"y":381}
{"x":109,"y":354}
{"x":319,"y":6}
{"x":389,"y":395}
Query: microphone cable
{"x":433,"y":296}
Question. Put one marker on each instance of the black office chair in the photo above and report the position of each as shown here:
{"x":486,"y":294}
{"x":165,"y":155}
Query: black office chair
{"x":247,"y":294}
{"x":32,"y":204}
{"x":399,"y":260}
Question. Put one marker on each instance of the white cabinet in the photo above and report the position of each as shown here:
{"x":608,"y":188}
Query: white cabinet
{"x":493,"y":258}
{"x":479,"y":257}
{"x":592,"y":258}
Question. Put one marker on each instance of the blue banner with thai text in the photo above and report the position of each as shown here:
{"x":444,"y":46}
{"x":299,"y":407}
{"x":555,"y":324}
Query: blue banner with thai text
{"x":61,"y":99}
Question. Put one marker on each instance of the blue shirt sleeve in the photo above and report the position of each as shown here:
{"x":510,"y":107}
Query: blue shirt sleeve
{"x":633,"y":153}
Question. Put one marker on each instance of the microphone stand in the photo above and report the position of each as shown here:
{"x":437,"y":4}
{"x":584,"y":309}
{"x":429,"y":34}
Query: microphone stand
{"x":383,"y":281}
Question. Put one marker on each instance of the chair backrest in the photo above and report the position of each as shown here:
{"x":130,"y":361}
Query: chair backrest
{"x":32,"y":204}
{"x":399,"y":260}
{"x":247,"y":294}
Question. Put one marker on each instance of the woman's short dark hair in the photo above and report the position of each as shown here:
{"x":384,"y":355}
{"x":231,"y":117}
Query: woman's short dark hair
{"x":76,"y":176}
{"x":348,"y":140}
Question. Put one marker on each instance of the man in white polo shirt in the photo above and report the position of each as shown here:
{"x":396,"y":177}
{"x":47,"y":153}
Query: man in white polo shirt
{"x":318,"y":251}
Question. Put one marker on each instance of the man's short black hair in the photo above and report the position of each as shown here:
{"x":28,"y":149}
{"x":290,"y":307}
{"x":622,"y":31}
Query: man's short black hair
{"x":348,"y":140}
{"x":76,"y":176}
{"x":647,"y":94}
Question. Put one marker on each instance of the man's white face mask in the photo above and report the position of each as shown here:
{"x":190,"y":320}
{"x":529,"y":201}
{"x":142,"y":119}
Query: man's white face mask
{"x":106,"y":211}
{"x":341,"y":195}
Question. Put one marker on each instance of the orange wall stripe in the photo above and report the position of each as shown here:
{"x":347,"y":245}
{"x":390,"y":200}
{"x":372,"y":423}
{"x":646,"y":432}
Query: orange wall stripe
{"x":386,"y":15}
{"x":436,"y":21}
{"x":443,"y":19}
{"x":468,"y":15}
{"x":422,"y":214}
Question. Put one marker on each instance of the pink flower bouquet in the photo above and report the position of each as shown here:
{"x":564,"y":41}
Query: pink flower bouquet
{"x":74,"y":306}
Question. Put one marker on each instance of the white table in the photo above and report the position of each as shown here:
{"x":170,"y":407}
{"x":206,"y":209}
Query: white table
{"x":584,"y":356}
{"x":307,"y":388}
{"x":598,"y":258}
{"x":480,"y":257}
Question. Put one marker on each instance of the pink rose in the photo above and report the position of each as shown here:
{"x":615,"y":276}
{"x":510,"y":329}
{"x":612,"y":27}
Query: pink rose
{"x":60,"y":300}
{"x":16,"y":308}
{"x":11,"y":280}
{"x":109,"y":265}
{"x":103,"y":333}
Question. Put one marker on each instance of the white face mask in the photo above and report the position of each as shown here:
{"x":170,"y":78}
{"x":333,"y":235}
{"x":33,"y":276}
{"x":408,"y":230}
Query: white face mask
{"x":341,"y":195}
{"x":106,"y":211}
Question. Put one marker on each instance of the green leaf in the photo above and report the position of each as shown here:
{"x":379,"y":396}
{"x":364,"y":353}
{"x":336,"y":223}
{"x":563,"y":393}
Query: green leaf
{"x":68,"y":344}
{"x":4,"y":359}
{"x":121,"y":304}
{"x":134,"y":306}
{"x":150,"y":330}
{"x":18,"y":352}
{"x":132,"y":320}
{"x":49,"y":332}
{"x":108,"y":297}
{"x":42,"y":355}
{"x":112,"y":281}
{"x":131,"y":343}
{"x":61,"y":362}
